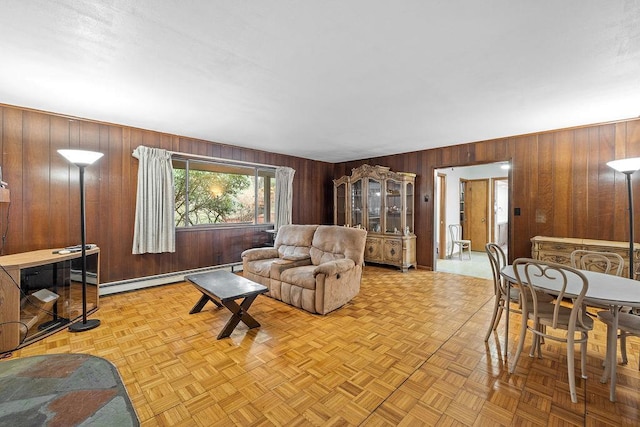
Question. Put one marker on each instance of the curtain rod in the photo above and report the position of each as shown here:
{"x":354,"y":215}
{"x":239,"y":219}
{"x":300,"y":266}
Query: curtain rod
{"x":219,"y":159}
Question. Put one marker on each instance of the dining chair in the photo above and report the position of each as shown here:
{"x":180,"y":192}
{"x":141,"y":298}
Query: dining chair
{"x":602,"y":262}
{"x":455,"y":233}
{"x":608,"y":263}
{"x":628,"y":325}
{"x":504,"y":293}
{"x":542,"y":319}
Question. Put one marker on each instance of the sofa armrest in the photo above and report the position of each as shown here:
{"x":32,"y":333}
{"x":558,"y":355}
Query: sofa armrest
{"x":285,"y":263}
{"x":334,"y":267}
{"x":280,"y":265}
{"x":259,"y":253}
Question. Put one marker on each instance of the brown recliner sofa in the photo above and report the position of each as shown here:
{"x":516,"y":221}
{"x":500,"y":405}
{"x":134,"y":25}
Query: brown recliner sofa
{"x":317,"y":268}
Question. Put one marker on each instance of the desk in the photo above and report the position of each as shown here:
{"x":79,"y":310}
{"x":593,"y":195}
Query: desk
{"x":604,"y":289}
{"x":43,"y":269}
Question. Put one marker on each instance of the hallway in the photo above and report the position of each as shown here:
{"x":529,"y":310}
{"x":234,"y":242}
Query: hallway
{"x":478,"y":266}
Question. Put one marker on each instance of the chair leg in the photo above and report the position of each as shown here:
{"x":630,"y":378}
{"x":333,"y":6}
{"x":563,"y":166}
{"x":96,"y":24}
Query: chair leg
{"x":583,"y":355}
{"x":623,"y":347}
{"x":536,"y":344}
{"x":500,"y":310}
{"x":543,"y":330}
{"x":571,"y":368}
{"x":523,"y":333}
{"x":494,"y":318}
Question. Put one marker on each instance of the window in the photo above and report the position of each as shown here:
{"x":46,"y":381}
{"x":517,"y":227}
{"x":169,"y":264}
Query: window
{"x":210,"y":193}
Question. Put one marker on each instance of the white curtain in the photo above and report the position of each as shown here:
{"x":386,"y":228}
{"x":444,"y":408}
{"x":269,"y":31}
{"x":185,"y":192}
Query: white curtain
{"x":154,"y":230}
{"x":284,"y":196}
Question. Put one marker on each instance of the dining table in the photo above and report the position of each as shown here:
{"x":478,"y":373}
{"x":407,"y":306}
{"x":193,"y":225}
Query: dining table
{"x":603,"y":289}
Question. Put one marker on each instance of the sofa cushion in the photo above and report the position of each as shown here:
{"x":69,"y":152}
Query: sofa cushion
{"x":319,"y":256}
{"x":293,"y":241}
{"x":302,"y":277}
{"x":280,"y":265}
{"x":331,"y":243}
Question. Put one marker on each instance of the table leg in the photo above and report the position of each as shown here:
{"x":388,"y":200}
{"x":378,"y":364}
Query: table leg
{"x":606,"y":373}
{"x":201,"y":303}
{"x":239,"y":313}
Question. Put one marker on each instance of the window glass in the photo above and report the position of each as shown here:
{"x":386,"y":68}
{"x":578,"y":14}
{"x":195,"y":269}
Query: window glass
{"x":209,"y":193}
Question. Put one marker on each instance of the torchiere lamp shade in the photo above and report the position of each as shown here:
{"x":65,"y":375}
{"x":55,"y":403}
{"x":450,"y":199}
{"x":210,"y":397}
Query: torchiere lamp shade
{"x":80,"y":157}
{"x":625,"y":165}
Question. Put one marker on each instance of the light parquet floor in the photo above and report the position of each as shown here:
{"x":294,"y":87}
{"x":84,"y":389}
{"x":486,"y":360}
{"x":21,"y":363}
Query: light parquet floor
{"x":408,"y":350}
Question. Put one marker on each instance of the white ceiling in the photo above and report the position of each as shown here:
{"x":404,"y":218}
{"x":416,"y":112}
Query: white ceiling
{"x":330,"y":80}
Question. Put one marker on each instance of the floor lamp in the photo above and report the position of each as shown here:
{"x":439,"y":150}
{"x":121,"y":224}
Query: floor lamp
{"x":82,"y":159}
{"x":628,"y":167}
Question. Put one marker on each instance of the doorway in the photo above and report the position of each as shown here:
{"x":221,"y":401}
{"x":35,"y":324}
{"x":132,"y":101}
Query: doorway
{"x":477,"y":198}
{"x":441,"y":215}
{"x":500,"y":202}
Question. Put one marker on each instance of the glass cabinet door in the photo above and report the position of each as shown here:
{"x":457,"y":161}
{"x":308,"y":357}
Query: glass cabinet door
{"x":393,"y":207}
{"x":409,"y":212}
{"x":374,"y":188}
{"x":357,"y":204}
{"x":341,"y":204}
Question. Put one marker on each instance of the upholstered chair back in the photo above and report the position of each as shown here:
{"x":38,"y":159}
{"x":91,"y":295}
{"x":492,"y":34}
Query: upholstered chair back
{"x":293,"y":241}
{"x":331,"y":242}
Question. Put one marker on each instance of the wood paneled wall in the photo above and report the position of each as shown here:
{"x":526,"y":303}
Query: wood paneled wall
{"x":45,"y":195}
{"x":559,"y":180}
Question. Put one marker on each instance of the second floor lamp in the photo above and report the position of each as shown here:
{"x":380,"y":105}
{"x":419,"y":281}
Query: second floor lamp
{"x":628,"y":167}
{"x":82,"y":159}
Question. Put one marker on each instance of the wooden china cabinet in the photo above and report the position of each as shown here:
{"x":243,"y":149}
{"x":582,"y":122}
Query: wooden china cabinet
{"x":381,"y":202}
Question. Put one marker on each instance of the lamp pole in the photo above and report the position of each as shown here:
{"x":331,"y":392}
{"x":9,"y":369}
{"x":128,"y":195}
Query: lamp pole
{"x":628,"y":167}
{"x":631,"y":239}
{"x":82,"y":159}
{"x":86,"y":324}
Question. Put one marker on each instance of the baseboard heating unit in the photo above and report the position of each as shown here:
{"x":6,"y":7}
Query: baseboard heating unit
{"x":160,"y":279}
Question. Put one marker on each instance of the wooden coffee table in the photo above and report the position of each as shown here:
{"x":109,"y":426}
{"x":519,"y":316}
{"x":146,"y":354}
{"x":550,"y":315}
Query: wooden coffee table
{"x":223,"y":288}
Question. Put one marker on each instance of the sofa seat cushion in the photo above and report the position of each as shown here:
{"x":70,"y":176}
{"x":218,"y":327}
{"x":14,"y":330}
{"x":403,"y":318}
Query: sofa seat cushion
{"x":261,"y":267}
{"x":302,"y":277}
